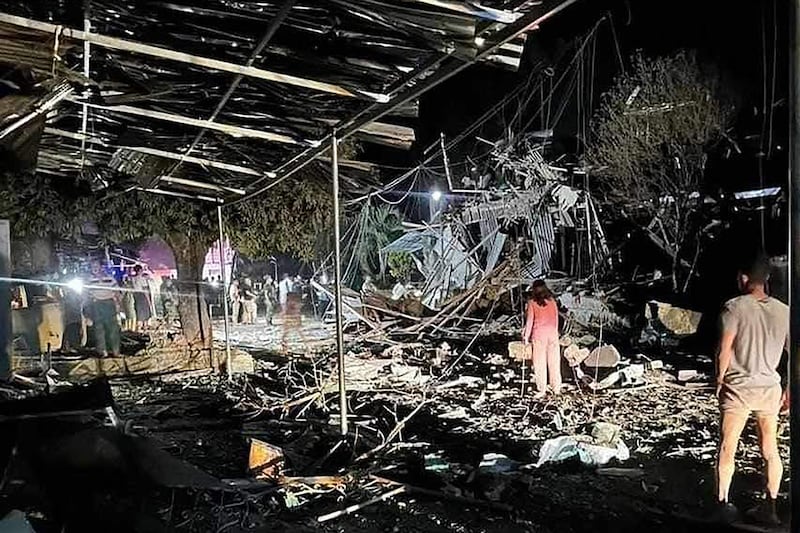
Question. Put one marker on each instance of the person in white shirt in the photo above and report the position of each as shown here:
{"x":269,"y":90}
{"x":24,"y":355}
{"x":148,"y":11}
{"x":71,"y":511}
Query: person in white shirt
{"x":284,"y":288}
{"x":236,"y":302}
{"x":141,"y":297}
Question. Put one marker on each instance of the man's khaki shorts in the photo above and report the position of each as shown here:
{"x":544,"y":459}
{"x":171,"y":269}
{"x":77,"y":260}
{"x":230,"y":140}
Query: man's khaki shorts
{"x":764,"y":401}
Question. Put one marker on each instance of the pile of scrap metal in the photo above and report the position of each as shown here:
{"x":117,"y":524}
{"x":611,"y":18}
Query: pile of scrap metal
{"x":474,"y":256}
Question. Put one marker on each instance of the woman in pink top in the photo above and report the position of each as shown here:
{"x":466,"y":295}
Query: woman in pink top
{"x":541,"y":329}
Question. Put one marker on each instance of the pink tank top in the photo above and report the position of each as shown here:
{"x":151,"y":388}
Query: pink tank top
{"x":545,"y":317}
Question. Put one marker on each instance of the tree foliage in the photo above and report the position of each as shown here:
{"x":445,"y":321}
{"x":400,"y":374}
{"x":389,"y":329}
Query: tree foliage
{"x":377,"y":227}
{"x":401,"y":265}
{"x":650,"y":142}
{"x":135,"y":216}
{"x":41,"y":206}
{"x":287,"y":219}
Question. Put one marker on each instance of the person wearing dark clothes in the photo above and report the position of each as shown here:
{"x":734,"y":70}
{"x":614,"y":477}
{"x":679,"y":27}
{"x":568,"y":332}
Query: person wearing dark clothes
{"x":104,"y":296}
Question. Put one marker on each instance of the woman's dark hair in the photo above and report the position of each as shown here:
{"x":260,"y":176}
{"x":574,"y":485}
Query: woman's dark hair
{"x":540,"y":292}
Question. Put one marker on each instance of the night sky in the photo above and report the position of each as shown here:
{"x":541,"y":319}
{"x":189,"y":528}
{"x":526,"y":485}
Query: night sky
{"x":747,"y":45}
{"x":726,"y":39}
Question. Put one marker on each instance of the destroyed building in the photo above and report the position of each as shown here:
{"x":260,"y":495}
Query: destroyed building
{"x":405,"y":403}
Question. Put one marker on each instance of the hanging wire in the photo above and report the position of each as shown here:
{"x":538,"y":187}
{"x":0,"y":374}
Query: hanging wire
{"x":402,"y":198}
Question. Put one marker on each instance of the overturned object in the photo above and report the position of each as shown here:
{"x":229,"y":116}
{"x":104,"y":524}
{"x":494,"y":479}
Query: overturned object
{"x":518,"y":350}
{"x":672,"y":320}
{"x":266,"y":461}
{"x":575,"y":355}
{"x":606,"y":356}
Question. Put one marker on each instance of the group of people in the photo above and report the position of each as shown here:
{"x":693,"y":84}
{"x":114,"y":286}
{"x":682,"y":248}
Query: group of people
{"x":754,"y":335}
{"x":112,"y":304}
{"x":245,"y":296}
{"x":138,"y":301}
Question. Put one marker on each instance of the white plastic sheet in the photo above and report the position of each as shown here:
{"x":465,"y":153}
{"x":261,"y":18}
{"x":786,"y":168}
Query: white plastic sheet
{"x":566,"y":447}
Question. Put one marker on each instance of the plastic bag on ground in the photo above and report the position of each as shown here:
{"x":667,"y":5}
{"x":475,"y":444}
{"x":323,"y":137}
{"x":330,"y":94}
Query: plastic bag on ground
{"x":562,"y":448}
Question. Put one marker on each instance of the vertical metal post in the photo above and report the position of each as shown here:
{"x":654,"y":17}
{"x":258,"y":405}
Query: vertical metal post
{"x":588,"y":226}
{"x":794,"y":256}
{"x":87,"y":55}
{"x":337,"y":277}
{"x":5,"y":300}
{"x":224,"y":276}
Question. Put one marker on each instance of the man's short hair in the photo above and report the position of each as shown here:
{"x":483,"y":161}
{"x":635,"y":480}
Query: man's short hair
{"x":757,"y":268}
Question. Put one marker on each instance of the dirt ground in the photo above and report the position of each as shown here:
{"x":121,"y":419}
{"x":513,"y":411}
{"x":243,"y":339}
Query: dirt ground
{"x":666,"y":485}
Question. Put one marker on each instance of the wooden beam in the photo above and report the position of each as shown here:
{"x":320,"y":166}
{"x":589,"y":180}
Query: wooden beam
{"x":383,"y":133}
{"x":363,"y":166}
{"x":234,"y":131}
{"x":181,"y":57}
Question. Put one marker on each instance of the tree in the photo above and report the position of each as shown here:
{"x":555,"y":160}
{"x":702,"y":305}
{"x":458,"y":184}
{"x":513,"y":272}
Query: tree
{"x":39,"y":209}
{"x":188,"y":228}
{"x":287,"y":220}
{"x":377,"y":227}
{"x":649,"y":145}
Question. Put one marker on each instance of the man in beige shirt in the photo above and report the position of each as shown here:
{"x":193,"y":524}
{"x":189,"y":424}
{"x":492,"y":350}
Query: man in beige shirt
{"x":755,"y":333}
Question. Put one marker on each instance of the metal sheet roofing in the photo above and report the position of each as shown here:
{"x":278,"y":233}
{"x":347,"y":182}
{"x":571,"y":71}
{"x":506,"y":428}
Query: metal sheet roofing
{"x":231,"y":96}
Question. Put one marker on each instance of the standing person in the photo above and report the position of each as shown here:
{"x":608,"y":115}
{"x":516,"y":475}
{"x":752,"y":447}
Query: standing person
{"x":168,"y":299}
{"x":104,"y":295}
{"x":284,"y":288}
{"x":269,"y":298}
{"x":141,"y":297}
{"x":154,"y":289}
{"x":541,"y":329}
{"x":755,"y":332}
{"x":249,"y":306}
{"x":128,"y":304}
{"x":235,"y":297}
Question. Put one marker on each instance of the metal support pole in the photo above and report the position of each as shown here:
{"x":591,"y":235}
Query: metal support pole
{"x":87,"y":56}
{"x":224,"y":276}
{"x":337,"y":276}
{"x":794,"y":256}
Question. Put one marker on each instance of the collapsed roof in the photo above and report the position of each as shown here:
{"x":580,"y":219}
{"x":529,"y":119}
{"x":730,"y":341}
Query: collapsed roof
{"x":226,"y":98}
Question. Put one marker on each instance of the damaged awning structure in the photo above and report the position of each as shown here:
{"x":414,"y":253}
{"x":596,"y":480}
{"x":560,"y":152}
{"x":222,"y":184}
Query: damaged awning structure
{"x":525,"y":226}
{"x":225,"y":99}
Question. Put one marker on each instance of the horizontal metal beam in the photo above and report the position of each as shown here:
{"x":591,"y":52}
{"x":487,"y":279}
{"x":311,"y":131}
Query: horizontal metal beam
{"x":115,"y":43}
{"x":165,"y":192}
{"x":210,"y":163}
{"x":198,"y":161}
{"x":201,"y":185}
{"x":235,"y":131}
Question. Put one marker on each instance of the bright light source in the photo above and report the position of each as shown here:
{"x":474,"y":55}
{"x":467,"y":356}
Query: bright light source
{"x":479,"y":41}
{"x":436,"y":196}
{"x":76,"y":285}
